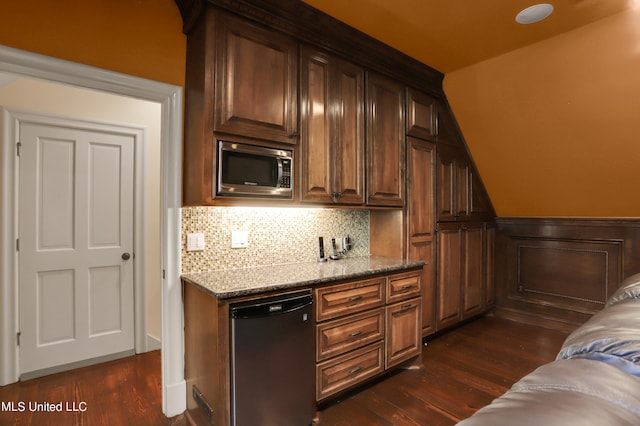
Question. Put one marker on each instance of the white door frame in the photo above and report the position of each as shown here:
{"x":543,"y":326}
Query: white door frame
{"x":170,"y":97}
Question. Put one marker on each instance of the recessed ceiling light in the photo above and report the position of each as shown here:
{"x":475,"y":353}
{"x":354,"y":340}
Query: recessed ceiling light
{"x":534,"y":13}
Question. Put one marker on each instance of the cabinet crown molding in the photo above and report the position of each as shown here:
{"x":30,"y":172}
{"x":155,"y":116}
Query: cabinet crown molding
{"x":309,"y":25}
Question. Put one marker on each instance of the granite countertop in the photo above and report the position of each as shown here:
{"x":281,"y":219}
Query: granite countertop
{"x":231,"y":283}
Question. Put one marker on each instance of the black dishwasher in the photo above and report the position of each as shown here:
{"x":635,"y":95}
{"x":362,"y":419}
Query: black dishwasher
{"x":272,"y":368}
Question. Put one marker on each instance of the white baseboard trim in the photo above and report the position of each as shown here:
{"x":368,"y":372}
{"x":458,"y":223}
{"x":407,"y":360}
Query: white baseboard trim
{"x":153,"y":344}
{"x":74,"y":365}
{"x":176,"y":401}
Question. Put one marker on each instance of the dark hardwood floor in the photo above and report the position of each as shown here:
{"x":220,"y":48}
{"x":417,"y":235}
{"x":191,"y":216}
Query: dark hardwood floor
{"x":122,"y":392}
{"x":461,"y":371}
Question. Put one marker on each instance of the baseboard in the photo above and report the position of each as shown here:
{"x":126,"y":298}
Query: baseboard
{"x":524,"y":317}
{"x":153,"y":344}
{"x":175,"y":402}
{"x":72,"y":366}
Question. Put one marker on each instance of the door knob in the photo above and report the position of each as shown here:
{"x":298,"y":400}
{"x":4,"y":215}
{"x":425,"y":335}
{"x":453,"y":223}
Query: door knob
{"x":126,"y":256}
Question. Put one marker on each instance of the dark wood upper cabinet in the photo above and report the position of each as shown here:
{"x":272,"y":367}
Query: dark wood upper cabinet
{"x":385,"y":141}
{"x":241,"y":83}
{"x":331,"y":129}
{"x":256,"y":82}
{"x":422,"y":119}
{"x":453,"y":184}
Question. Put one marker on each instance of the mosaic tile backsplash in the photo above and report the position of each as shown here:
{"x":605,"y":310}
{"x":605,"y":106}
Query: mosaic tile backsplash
{"x":276,"y":235}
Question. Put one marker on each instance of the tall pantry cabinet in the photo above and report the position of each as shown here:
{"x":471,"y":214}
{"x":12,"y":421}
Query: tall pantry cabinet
{"x":465,"y":230}
{"x":421,"y":222}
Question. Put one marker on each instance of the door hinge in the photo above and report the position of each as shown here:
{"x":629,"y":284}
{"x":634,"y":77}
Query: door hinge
{"x":18,"y":145}
{"x":18,"y":337}
{"x":17,"y":244}
{"x":163,"y":274}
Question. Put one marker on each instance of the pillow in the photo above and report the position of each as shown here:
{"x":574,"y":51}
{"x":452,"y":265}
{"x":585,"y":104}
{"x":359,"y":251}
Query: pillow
{"x":629,"y":289}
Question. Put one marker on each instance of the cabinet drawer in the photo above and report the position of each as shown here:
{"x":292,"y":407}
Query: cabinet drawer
{"x":342,"y":299}
{"x":348,"y":370}
{"x":343,"y":335}
{"x":403,"y":286}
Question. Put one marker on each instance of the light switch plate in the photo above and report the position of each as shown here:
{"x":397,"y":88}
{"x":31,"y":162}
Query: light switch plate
{"x":195,"y":242}
{"x":239,"y":239}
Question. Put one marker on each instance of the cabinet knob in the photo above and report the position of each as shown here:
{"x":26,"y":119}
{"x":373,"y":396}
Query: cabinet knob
{"x":293,"y":135}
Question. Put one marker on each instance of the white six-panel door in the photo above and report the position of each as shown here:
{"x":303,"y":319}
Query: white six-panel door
{"x":76,"y":220}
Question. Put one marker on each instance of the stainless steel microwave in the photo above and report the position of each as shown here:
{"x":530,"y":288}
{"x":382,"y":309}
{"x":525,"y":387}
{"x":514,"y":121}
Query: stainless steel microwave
{"x":254,"y":171}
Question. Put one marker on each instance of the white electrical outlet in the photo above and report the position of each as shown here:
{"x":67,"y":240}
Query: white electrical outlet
{"x":239,"y":239}
{"x":195,"y":242}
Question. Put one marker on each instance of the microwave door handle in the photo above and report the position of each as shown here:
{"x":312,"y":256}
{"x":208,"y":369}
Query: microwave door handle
{"x":280,"y":172}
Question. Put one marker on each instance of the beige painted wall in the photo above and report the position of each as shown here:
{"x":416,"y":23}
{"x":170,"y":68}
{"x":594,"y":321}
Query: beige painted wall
{"x":71,"y":102}
{"x":553,"y":127}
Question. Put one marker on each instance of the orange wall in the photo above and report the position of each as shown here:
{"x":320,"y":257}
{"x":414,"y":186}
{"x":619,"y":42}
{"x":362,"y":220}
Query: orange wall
{"x":554,"y":128}
{"x":137,"y":37}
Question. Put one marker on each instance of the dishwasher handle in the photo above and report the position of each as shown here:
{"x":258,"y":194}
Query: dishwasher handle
{"x":271,"y":306}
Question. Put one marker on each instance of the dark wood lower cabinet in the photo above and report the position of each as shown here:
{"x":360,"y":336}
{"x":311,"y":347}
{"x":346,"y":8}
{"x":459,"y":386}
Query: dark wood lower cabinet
{"x":473,"y":279}
{"x":365,"y":327}
{"x":465,"y":263}
{"x":404,"y":326}
{"x":449,"y":270}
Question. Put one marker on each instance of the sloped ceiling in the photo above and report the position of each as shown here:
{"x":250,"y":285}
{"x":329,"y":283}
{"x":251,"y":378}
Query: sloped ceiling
{"x":549,"y":110}
{"x":452,"y":34}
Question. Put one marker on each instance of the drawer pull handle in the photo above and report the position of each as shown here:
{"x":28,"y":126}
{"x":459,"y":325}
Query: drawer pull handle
{"x":354,"y":298}
{"x":407,"y":287}
{"x":407,"y":306}
{"x":355,"y":370}
{"x":354,"y":334}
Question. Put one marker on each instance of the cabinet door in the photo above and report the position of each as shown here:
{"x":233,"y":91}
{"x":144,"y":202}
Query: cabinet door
{"x":316,"y":171}
{"x":446,"y":184}
{"x":421,"y":221}
{"x":453,"y":184}
{"x":421,"y":115}
{"x":425,"y":251}
{"x":331,"y":130}
{"x":473,"y":278}
{"x":449,"y":284}
{"x":256,"y":82}
{"x":385,"y":141}
{"x":420,"y":195}
{"x":403,"y":339}
{"x":348,"y":106}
